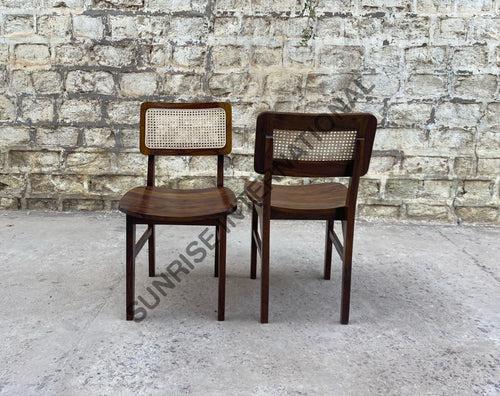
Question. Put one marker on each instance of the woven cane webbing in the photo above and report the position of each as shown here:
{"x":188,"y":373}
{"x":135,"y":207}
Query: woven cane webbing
{"x":314,"y":146}
{"x":185,"y":128}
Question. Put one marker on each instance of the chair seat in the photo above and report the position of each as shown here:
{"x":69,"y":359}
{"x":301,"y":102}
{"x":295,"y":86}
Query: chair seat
{"x":178,"y":206}
{"x":312,"y":201}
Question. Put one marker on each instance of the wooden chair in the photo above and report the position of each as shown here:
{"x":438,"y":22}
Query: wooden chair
{"x":309,"y":145}
{"x":180,"y":129}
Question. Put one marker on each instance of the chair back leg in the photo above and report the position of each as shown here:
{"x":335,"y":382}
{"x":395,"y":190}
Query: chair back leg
{"x":216,"y":261}
{"x":221,"y":247}
{"x":130,"y":270}
{"x":348,"y":231}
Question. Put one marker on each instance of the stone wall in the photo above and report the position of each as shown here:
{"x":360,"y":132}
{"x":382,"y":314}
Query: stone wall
{"x":73,"y":73}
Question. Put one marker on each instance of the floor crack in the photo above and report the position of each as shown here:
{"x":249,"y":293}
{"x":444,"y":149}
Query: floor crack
{"x":476,"y":262}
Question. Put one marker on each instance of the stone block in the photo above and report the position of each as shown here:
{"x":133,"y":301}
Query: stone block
{"x":427,"y":86}
{"x":436,"y":191}
{"x":35,"y":161}
{"x":99,"y":137}
{"x":47,"y":82}
{"x":41,"y":203}
{"x":429,"y":166}
{"x":429,"y":212}
{"x":137,"y":27}
{"x":88,"y":27}
{"x":12,"y":184}
{"x":399,"y":189}
{"x":54,"y":26}
{"x":87,"y":205}
{"x":446,"y":140}
{"x":57,"y":136}
{"x":31,"y":54}
{"x":124,"y":112}
{"x":342,"y":59}
{"x":488,"y":166}
{"x":72,"y":54}
{"x":189,"y":56}
{"x":7,"y":109}
{"x":401,"y":139}
{"x":54,"y":184}
{"x":10,"y":203}
{"x":35,"y":110}
{"x":14,"y":135}
{"x":475,"y":87}
{"x":160,"y":55}
{"x":457,"y":115}
{"x":477,"y":193}
{"x":266,"y":56}
{"x":379,"y":211}
{"x":100,"y":82}
{"x":138,"y":84}
{"x":471,"y":58}
{"x":464,"y":166}
{"x":80,"y":111}
{"x":88,"y":163}
{"x":18,"y":25}
{"x":474,"y":214}
{"x":229,"y":56}
{"x":114,"y":185}
{"x":409,"y":114}
{"x":182,"y":84}
{"x":426,"y":59}
{"x":113,"y":55}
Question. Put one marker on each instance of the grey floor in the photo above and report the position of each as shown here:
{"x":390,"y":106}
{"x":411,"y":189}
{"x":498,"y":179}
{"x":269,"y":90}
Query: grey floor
{"x":425,"y":313}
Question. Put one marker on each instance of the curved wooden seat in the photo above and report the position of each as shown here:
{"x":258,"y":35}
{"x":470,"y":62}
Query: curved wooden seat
{"x":314,"y":201}
{"x":162,"y":204}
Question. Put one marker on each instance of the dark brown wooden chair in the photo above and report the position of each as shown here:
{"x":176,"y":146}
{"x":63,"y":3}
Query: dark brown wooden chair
{"x":180,"y":129}
{"x":309,"y":145}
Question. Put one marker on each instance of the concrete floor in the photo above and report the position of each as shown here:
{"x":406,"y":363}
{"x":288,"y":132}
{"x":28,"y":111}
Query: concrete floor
{"x":425,"y":315}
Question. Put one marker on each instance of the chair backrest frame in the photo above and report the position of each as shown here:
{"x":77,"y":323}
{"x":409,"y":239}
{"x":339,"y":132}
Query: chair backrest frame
{"x":152,"y":152}
{"x":268,"y":122}
{"x":226,"y":149}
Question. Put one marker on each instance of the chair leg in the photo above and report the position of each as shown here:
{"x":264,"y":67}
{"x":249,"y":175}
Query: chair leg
{"x":130,"y":263}
{"x":264,"y":289}
{"x":151,"y":251}
{"x":222,"y":268}
{"x":253,"y":254}
{"x":216,"y":263}
{"x":328,"y":250}
{"x":348,"y":231}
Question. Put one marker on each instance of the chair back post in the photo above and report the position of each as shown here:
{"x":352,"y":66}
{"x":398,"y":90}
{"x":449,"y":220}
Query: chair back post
{"x":268,"y":174}
{"x":352,"y":193}
{"x":151,"y":171}
{"x":220,"y":170}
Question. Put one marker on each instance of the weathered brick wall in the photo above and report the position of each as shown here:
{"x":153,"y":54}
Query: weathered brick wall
{"x":73,"y":73}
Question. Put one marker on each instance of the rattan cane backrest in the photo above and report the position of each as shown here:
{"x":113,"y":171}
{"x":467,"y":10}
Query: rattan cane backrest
{"x":313,"y":145}
{"x":185,"y":128}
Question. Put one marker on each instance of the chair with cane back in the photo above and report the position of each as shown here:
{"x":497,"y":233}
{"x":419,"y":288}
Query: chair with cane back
{"x":179,"y":129}
{"x":309,"y":145}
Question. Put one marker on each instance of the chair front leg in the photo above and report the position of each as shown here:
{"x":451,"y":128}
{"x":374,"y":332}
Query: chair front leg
{"x":253,"y":253}
{"x":328,"y":250}
{"x":130,"y":271}
{"x":151,"y":251}
{"x":348,"y":231}
{"x":216,"y":263}
{"x":222,"y":267}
